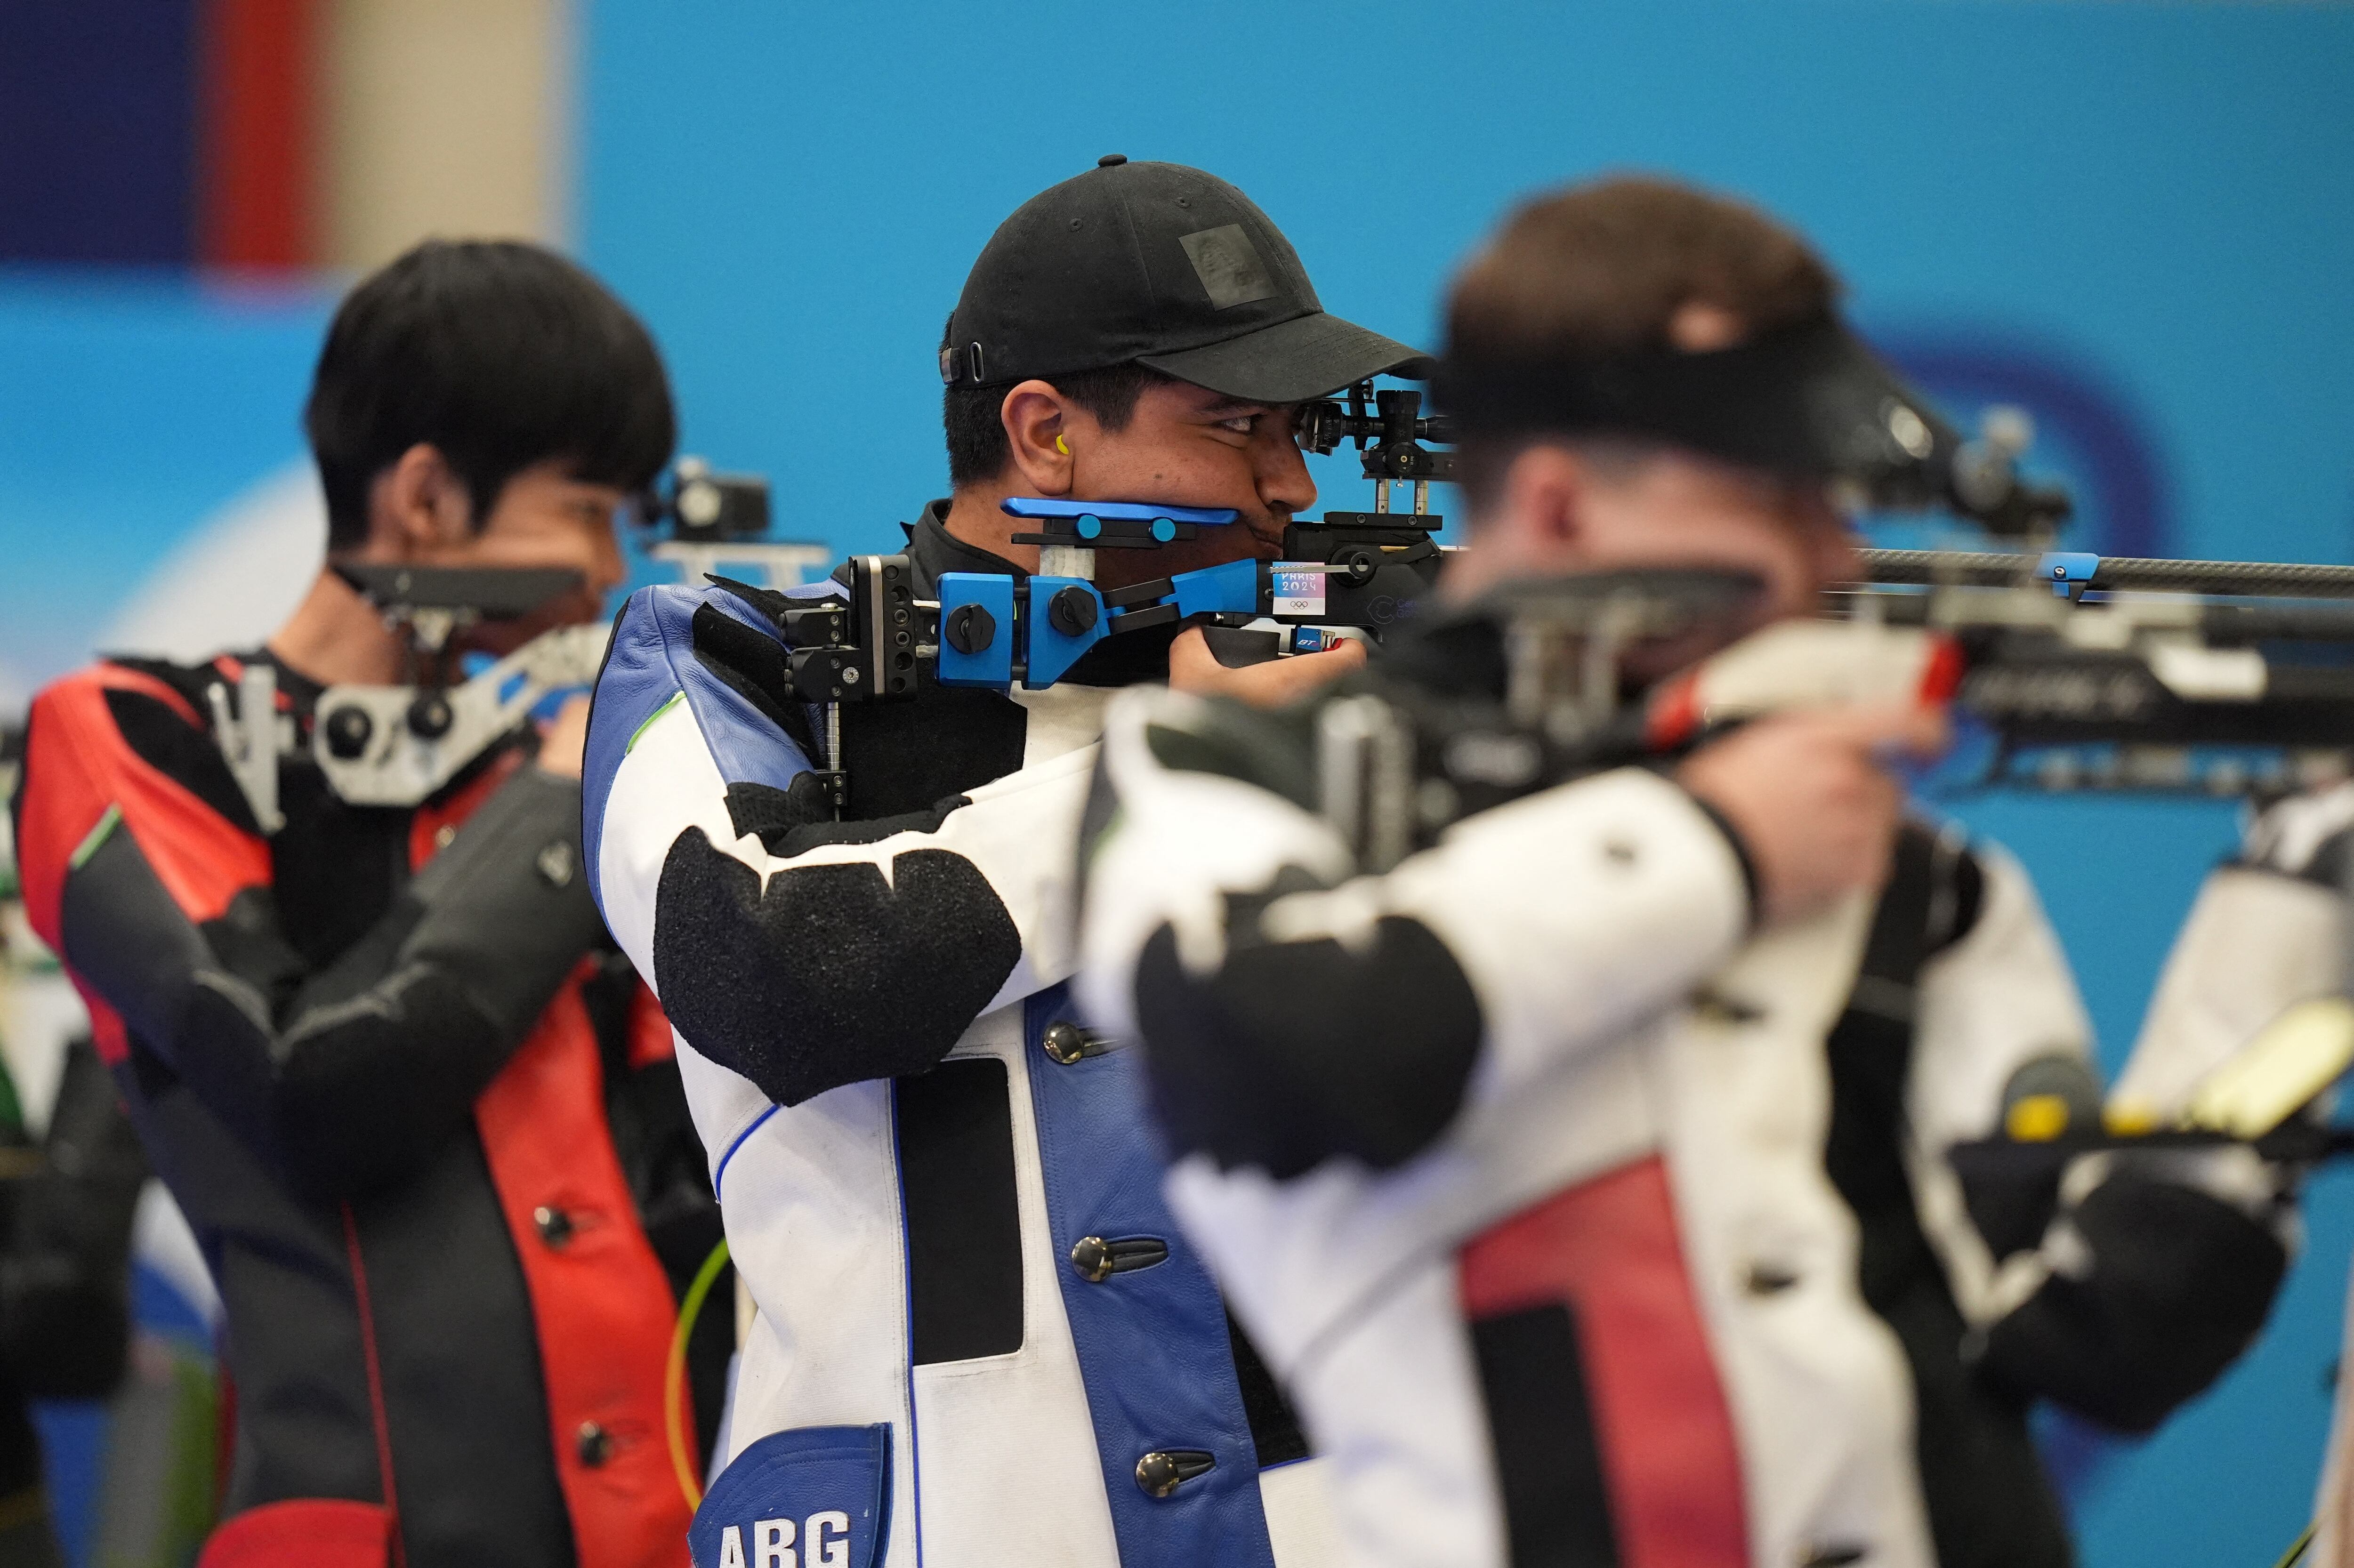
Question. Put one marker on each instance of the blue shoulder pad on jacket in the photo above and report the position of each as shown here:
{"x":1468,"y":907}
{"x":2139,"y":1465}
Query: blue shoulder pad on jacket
{"x":651,"y":664}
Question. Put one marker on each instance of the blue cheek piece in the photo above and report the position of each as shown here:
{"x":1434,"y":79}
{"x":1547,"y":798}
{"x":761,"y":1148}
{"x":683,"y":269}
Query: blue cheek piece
{"x":1050,"y":651}
{"x":824,"y":1492}
{"x":993,"y":665}
{"x":1231,"y":587}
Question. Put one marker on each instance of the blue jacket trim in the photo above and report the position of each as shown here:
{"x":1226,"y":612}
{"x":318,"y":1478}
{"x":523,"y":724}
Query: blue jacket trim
{"x":721,"y":1175}
{"x":651,"y":661}
{"x":1152,"y":1343}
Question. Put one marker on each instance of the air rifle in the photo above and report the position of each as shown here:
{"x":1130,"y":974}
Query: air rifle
{"x":1358,"y":570}
{"x":2077,"y":672}
{"x":2082,"y":673}
{"x":397,"y":745}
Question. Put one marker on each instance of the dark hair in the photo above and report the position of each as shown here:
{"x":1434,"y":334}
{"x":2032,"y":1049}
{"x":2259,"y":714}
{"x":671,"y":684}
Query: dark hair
{"x":501,"y":356}
{"x":972,"y":416}
{"x":1603,"y":267}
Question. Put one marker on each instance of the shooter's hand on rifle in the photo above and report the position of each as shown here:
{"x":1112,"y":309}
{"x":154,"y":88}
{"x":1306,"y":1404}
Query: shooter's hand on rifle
{"x":1273,"y":685}
{"x":1811,"y":797}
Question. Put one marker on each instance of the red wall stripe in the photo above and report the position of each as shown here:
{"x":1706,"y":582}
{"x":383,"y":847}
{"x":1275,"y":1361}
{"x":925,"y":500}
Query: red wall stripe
{"x":256,"y":133}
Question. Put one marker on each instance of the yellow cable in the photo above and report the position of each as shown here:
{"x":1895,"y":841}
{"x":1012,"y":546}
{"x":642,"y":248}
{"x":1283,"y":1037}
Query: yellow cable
{"x":675,"y":1372}
{"x":2288,"y":1560}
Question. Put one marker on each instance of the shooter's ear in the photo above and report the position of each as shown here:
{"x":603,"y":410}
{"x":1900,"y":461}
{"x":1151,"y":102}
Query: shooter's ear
{"x":1545,"y":493}
{"x":1035,"y":416}
{"x":417,"y":504}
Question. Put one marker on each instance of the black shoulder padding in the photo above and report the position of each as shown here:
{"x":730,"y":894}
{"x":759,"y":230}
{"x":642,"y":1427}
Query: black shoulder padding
{"x":764,"y":809}
{"x":949,"y":740}
{"x":752,"y":665}
{"x":795,"y":820}
{"x":1293,"y":1052}
{"x":2180,"y":1284}
{"x":182,"y":753}
{"x":830,"y":975}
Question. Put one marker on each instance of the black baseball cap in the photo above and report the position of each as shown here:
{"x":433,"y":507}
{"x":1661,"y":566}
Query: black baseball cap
{"x":1159,"y":265}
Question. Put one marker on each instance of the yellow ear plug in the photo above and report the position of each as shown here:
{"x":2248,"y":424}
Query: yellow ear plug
{"x":1061,"y":448}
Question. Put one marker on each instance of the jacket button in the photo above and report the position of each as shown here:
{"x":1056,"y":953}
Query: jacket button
{"x":1066,"y":1043}
{"x":1162,"y":1471}
{"x":595,"y":1443}
{"x":1767,"y":1279}
{"x":1096,"y":1260}
{"x":1091,"y":1257}
{"x":555,"y":1226}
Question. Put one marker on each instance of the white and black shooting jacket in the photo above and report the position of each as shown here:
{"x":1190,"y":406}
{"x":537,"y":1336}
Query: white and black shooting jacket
{"x":1586,"y":1222}
{"x":979,"y":1337}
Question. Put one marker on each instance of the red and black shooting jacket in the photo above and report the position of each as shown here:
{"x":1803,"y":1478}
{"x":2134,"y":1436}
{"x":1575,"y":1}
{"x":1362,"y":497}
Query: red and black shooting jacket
{"x":420,"y":1116}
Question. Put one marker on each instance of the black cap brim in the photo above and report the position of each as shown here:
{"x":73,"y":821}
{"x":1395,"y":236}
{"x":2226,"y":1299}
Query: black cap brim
{"x":1292,"y":361}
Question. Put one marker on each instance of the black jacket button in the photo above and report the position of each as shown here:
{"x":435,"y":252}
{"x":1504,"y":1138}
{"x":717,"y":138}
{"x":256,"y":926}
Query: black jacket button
{"x":555,"y":1226}
{"x":595,"y":1443}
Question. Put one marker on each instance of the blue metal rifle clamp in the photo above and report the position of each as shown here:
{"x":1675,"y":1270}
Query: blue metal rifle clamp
{"x":2070,"y":572}
{"x":996,"y":630}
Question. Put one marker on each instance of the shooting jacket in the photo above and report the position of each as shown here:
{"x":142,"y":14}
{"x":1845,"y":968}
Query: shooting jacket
{"x":979,"y":1337}
{"x":417,"y":1113}
{"x":1585,"y":1224}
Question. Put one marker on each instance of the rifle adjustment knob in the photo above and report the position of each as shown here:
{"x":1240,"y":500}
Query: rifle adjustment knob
{"x":971,"y":629}
{"x":429,"y":716}
{"x":1072,"y":611}
{"x":348,"y":730}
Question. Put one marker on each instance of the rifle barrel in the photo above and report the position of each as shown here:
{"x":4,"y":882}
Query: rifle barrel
{"x":2000,"y":568}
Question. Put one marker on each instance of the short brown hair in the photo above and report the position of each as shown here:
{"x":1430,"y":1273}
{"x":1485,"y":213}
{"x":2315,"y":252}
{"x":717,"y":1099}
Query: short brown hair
{"x":1602,"y":269}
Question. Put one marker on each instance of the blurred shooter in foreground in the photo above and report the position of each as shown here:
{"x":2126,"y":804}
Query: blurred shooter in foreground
{"x":1581,"y":1166}
{"x":417,"y":1109}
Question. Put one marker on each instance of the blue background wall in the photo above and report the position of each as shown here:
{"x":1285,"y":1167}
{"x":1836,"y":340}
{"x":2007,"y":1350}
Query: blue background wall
{"x":2138,"y":219}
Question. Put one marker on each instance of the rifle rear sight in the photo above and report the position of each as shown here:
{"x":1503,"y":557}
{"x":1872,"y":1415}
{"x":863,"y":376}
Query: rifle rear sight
{"x":1389,"y":428}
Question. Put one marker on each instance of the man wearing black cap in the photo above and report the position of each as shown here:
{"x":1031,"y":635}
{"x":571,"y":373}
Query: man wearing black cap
{"x":978,"y":1336}
{"x":1582,"y":1169}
